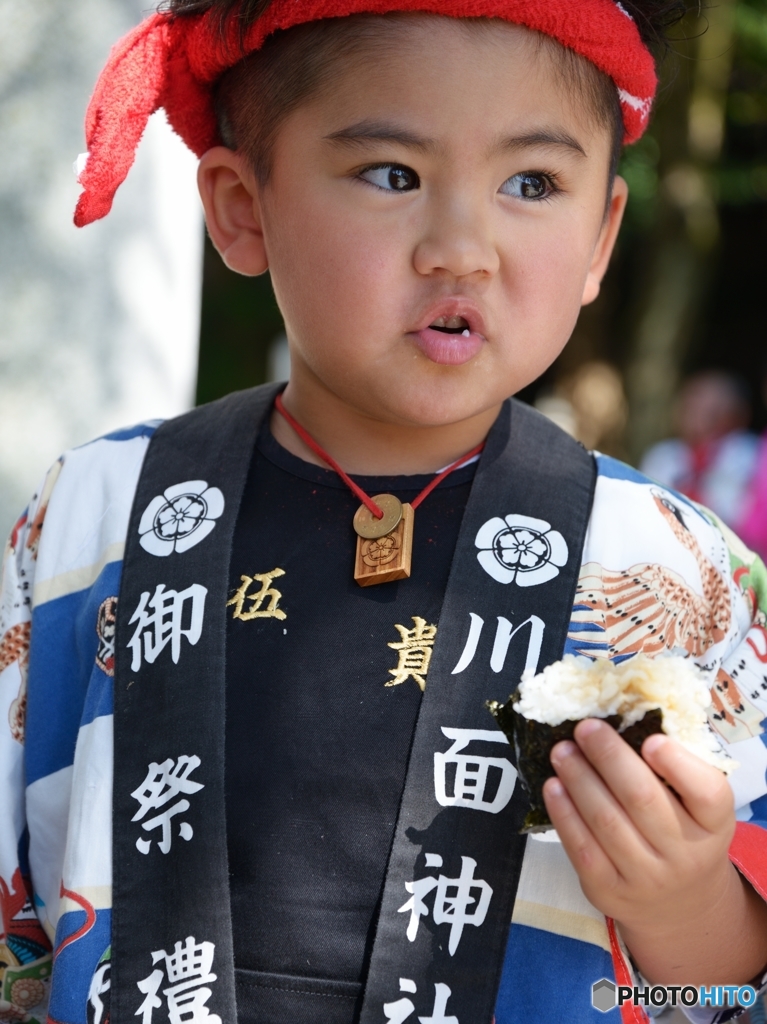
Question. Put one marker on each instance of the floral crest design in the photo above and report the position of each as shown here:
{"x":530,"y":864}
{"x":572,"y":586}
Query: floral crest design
{"x":180,"y":517}
{"x":521,"y":550}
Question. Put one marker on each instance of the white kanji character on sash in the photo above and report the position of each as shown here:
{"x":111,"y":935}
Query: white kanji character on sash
{"x":438,"y":1015}
{"x":473,"y":773}
{"x":187,"y":1006}
{"x":162,"y":784}
{"x":452,"y":899}
{"x":398,"y":1012}
{"x":188,"y":970}
{"x":403,"y":1008}
{"x":160,"y":620}
{"x":504,"y":634}
{"x":150,"y":987}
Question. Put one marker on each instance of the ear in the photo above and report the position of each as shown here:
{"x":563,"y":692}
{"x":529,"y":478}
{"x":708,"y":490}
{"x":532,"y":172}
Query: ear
{"x":230,"y":197}
{"x":606,"y":241}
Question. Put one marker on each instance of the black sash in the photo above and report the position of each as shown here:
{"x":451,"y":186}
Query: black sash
{"x":455,"y":862}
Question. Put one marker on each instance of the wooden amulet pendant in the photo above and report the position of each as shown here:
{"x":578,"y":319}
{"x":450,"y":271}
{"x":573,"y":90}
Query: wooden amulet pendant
{"x":384,"y":546}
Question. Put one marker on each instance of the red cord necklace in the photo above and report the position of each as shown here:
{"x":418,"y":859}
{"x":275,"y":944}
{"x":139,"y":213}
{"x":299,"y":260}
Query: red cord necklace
{"x":383,"y":524}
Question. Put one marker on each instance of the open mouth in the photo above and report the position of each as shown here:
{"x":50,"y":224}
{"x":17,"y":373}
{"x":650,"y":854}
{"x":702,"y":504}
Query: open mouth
{"x":451,"y":325}
{"x":450,"y":339}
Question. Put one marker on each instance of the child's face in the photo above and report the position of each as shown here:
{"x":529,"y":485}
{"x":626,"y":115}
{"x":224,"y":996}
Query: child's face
{"x":457,"y":183}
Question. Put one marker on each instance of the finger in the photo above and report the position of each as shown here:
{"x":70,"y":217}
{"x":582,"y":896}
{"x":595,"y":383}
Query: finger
{"x":653,"y":810}
{"x":602,"y":814}
{"x":588,"y":858}
{"x":703,"y":789}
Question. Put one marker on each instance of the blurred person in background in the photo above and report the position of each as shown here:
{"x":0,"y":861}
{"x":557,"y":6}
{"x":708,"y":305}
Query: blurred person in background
{"x":713,"y":457}
{"x":752,"y":525}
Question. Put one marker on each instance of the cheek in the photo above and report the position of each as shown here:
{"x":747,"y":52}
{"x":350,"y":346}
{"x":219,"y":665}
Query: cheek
{"x":333,"y":272}
{"x":544,"y":273}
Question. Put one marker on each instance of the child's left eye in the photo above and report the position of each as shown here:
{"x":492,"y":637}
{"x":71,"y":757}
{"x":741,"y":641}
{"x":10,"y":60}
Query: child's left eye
{"x":528,"y":186}
{"x":392,"y":177}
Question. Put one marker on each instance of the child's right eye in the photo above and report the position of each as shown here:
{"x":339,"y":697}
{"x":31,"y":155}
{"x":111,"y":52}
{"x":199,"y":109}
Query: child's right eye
{"x":391,"y":177}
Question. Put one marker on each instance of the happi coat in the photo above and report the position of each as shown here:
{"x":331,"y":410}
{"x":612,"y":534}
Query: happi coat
{"x":657,"y":573}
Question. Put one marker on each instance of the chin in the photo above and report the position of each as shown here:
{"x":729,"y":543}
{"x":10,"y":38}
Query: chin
{"x":438,"y":404}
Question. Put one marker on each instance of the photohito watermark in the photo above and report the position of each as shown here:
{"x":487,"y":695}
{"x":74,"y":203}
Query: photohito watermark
{"x":606,"y":995}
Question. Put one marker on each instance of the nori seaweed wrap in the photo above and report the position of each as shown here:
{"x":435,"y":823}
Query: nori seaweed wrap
{"x":638,"y":696}
{"x":534,"y":741}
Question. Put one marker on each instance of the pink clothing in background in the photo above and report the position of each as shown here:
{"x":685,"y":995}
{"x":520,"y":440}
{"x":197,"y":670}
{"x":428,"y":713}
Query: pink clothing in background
{"x":753,"y":526}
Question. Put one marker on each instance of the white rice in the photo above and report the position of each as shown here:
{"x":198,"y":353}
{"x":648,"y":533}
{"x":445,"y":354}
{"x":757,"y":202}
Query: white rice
{"x":576,"y":688}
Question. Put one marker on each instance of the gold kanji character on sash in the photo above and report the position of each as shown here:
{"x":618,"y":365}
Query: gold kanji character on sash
{"x":264,"y":602}
{"x":415,"y":647}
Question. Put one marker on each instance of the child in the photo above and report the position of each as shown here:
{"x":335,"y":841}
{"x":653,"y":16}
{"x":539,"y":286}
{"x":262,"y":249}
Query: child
{"x":246,"y":692}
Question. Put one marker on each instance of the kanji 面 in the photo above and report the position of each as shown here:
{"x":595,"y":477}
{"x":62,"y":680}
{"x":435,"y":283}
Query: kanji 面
{"x":470,"y":780}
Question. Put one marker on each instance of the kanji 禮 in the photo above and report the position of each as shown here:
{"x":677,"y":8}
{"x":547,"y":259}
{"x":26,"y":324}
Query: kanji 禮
{"x":163,"y":783}
{"x":399,"y":1011}
{"x":188,"y":969}
{"x":415,"y":649}
{"x":160,"y":621}
{"x":474,"y":777}
{"x":452,"y":900}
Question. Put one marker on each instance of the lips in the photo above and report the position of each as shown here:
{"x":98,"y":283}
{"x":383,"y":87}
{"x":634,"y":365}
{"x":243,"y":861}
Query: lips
{"x":452,"y":333}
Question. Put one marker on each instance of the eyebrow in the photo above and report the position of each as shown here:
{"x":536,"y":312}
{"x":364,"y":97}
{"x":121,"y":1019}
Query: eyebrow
{"x":363,"y":132}
{"x":548,"y":138}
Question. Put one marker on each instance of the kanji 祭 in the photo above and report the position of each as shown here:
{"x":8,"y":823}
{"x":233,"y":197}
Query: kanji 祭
{"x":188,"y":969}
{"x":402,"y":1009}
{"x":163,"y":783}
{"x":453,"y":897}
{"x":160,"y":621}
{"x":415,"y":649}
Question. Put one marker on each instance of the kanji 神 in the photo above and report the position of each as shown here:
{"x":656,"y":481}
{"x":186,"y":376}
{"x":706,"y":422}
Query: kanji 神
{"x":474,"y":776}
{"x":163,"y":783}
{"x":399,"y":1011}
{"x":160,"y":621}
{"x":188,"y":970}
{"x":266,"y":595}
{"x":415,"y":649}
{"x":452,"y":899}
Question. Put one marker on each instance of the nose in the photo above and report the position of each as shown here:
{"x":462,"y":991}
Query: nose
{"x":458,"y":241}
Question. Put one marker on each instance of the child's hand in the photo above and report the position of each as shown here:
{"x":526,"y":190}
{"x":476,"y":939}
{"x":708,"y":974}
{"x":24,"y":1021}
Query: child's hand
{"x":654,"y":861}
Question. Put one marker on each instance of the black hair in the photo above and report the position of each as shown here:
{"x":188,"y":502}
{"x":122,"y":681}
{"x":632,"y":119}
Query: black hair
{"x":653,"y":18}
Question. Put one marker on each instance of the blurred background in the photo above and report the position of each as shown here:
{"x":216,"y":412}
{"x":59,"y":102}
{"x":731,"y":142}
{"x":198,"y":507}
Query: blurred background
{"x":98,"y":328}
{"x":106,"y":326}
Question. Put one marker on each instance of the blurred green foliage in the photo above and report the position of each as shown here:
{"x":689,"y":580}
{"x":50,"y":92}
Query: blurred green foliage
{"x":239,"y":320}
{"x":740,"y":175}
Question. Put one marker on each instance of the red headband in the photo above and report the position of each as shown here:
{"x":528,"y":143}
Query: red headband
{"x":174,"y":63}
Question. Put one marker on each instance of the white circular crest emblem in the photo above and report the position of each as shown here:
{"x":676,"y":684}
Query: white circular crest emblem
{"x":521,"y":550}
{"x":180,"y":517}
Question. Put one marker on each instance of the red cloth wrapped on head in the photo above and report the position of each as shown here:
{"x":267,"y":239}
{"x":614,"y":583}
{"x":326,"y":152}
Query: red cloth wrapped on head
{"x":174,"y":62}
